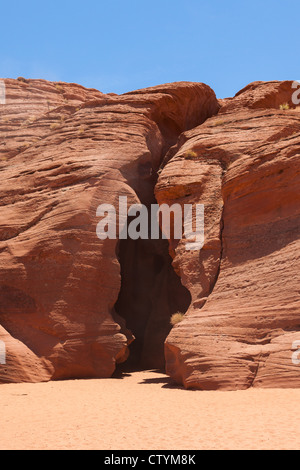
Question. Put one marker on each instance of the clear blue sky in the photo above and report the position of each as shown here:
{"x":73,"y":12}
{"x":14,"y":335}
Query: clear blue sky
{"x":122,"y":45}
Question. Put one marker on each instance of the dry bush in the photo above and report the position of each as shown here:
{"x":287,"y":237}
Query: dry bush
{"x":176,"y":318}
{"x":190,"y":154}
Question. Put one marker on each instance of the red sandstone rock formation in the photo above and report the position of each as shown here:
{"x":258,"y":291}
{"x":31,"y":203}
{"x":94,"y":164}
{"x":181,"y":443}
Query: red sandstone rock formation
{"x":64,"y":150}
{"x":244,"y":165}
{"x":64,"y":313}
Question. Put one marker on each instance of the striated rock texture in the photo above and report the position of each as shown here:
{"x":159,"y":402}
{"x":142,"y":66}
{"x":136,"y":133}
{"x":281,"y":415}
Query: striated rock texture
{"x":71,"y":305}
{"x":244,"y":165}
{"x":64,"y":150}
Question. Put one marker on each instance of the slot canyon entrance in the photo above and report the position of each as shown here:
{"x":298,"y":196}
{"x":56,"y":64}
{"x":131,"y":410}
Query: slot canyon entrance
{"x":150,"y":293}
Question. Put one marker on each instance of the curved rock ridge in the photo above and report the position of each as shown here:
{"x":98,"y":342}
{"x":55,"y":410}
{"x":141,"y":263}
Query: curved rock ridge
{"x":243,"y":322}
{"x":64,"y":150}
{"x":262,"y":95}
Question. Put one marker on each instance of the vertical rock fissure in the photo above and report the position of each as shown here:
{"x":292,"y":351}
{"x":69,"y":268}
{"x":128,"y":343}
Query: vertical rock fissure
{"x":221,"y":250}
{"x":214,"y":283}
{"x":150,"y":293}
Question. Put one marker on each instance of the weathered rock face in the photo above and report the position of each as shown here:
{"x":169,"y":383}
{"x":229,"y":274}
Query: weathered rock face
{"x":64,"y":150}
{"x":244,"y":165}
{"x":70,"y":303}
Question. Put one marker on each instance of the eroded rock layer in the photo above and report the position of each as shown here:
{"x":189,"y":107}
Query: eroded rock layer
{"x":244,"y":319}
{"x":64,"y":310}
{"x":65,"y":150}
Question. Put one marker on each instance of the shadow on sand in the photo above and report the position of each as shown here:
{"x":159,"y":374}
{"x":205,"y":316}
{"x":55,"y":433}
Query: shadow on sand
{"x":164,"y":380}
{"x":118,"y":374}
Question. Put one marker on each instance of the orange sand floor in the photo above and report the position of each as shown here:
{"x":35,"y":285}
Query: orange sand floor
{"x":144,"y":411}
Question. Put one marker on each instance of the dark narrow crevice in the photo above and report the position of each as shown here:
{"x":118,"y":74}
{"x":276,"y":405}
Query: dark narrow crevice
{"x":150,"y":293}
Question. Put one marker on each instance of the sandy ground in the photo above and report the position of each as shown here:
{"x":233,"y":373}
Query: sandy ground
{"x":144,"y":411}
